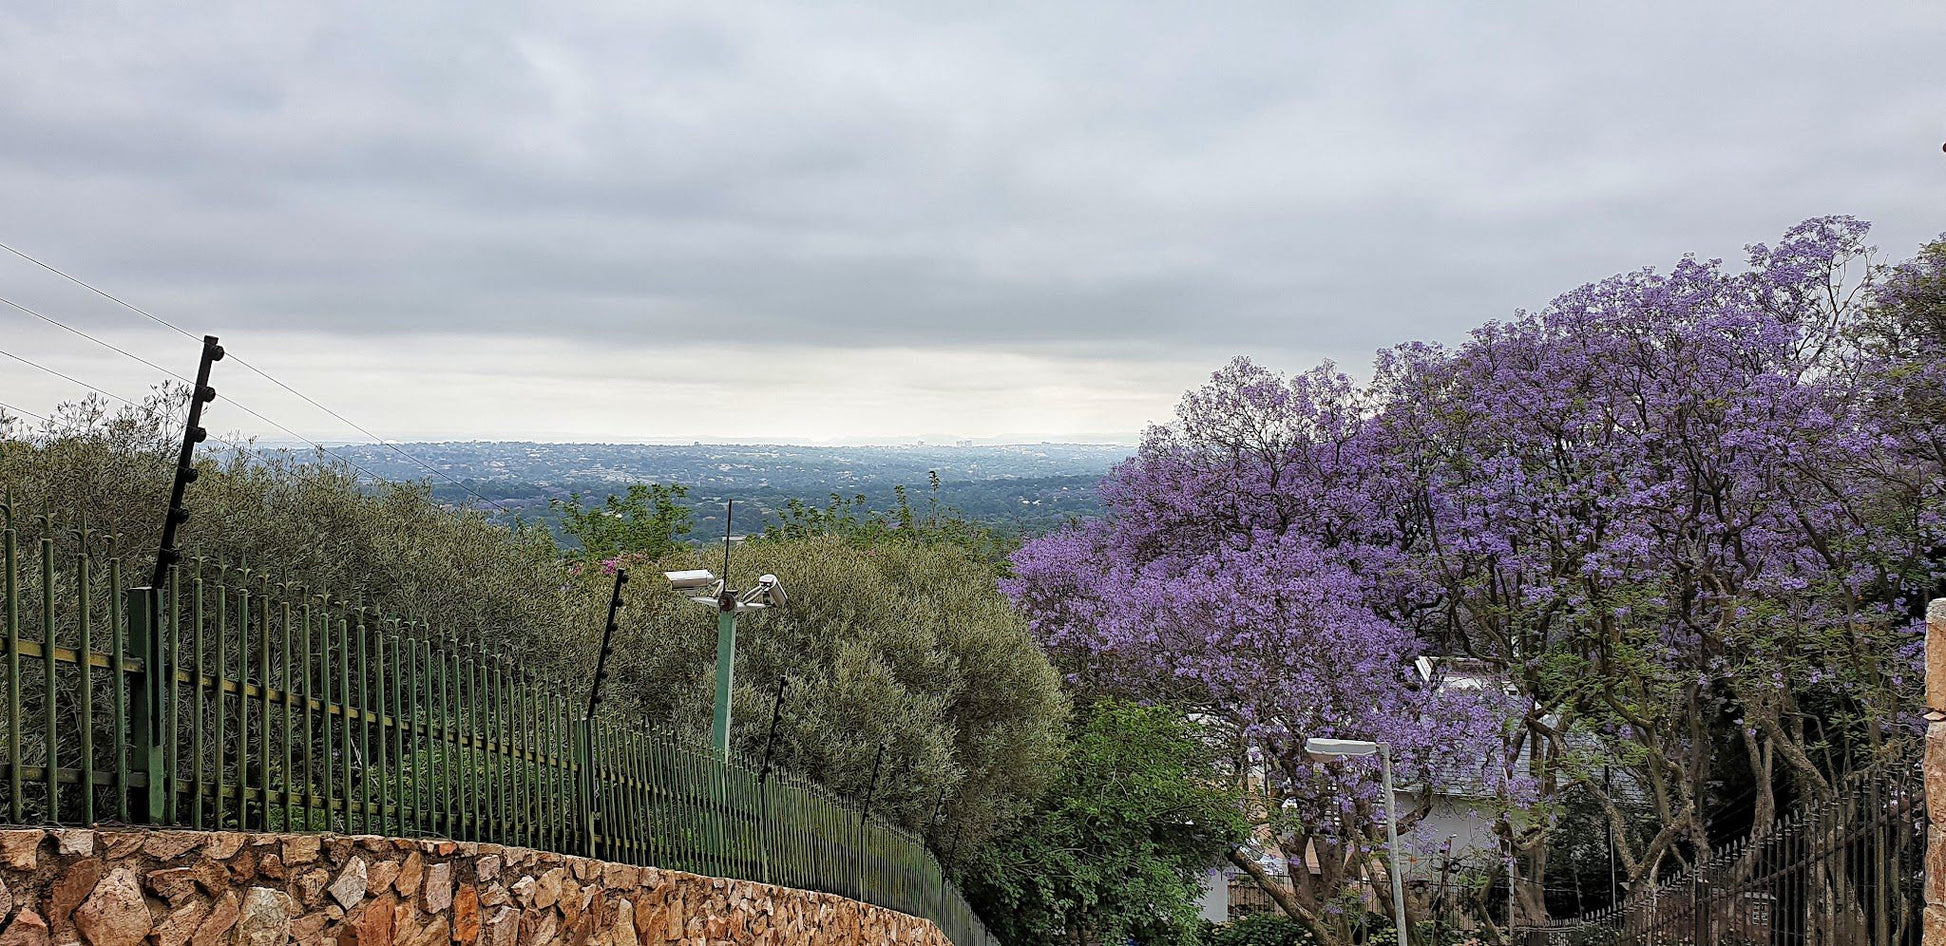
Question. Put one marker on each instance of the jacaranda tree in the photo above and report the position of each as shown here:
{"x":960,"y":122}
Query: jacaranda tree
{"x":1235,"y":577}
{"x":1689,"y":517}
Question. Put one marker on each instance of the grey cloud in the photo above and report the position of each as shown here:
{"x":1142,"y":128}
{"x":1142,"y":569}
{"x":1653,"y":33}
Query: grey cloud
{"x":1093,"y":180}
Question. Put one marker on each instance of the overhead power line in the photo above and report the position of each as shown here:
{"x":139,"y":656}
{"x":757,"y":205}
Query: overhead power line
{"x":138,"y":310}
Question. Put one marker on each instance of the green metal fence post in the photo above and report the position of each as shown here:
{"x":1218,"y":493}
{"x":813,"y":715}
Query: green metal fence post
{"x":584,"y":800}
{"x":9,"y":572}
{"x":118,"y":679}
{"x":49,"y":677}
{"x":84,"y":666}
{"x":147,"y":701}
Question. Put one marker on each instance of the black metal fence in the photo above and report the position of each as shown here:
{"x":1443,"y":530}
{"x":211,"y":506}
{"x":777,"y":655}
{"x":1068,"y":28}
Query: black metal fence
{"x":1846,"y":873}
{"x":224,"y":700}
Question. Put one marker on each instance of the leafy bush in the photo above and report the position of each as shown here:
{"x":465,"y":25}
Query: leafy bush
{"x":1259,"y":929}
{"x":1119,"y":847}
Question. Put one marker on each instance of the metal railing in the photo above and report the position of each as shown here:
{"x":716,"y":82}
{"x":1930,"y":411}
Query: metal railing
{"x":1846,"y":873}
{"x":224,"y":701}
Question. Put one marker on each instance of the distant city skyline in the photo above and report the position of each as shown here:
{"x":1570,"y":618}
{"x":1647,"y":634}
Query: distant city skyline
{"x":812,"y":224}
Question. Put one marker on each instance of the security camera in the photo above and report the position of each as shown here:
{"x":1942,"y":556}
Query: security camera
{"x":773,"y":591}
{"x":691,"y":579}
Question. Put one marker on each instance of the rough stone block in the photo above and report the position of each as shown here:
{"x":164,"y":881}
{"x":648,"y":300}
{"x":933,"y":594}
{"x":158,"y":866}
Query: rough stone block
{"x":538,"y":927}
{"x":437,"y":889}
{"x":21,"y":850}
{"x":410,"y":873}
{"x":1933,"y":765}
{"x":466,"y":915}
{"x":72,"y":886}
{"x":1936,"y":655}
{"x":120,"y":845}
{"x":179,"y":924}
{"x":310,"y":886}
{"x":547,"y":890}
{"x":75,"y":841}
{"x":1935,"y":887}
{"x":215,"y":928}
{"x":623,"y":924}
{"x":374,"y":926}
{"x":301,"y":849}
{"x":308,"y":929}
{"x":169,"y":845}
{"x":27,"y":929}
{"x":265,"y":919}
{"x":114,"y":913}
{"x":350,"y":887}
{"x":383,"y":873}
{"x":212,"y":876}
{"x":502,"y":928}
{"x":224,"y":845}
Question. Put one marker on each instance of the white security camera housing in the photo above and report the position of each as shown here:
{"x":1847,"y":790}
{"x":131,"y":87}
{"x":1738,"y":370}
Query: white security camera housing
{"x":690,"y":579}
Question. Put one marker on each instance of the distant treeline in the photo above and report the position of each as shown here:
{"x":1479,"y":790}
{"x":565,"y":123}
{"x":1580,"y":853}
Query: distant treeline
{"x":1022,"y":507}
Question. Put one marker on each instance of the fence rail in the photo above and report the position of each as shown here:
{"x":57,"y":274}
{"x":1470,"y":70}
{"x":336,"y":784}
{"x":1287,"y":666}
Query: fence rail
{"x":224,"y":700}
{"x":1846,"y":873}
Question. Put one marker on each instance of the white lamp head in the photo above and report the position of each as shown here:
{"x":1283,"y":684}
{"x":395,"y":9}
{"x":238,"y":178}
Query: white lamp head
{"x":1339,"y":748}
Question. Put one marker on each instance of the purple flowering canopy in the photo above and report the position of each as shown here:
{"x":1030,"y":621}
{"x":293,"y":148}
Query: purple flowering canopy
{"x":1234,"y":577}
{"x":1688,"y":517}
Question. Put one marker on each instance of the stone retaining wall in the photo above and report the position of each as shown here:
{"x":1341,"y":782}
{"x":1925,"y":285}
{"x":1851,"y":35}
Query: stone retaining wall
{"x":192,"y":888}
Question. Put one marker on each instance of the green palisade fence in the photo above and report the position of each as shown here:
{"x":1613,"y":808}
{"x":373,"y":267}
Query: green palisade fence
{"x":226,"y":701}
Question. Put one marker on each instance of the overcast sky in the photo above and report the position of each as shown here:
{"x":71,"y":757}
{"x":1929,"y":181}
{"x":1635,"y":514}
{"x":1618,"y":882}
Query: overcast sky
{"x":808,"y":222}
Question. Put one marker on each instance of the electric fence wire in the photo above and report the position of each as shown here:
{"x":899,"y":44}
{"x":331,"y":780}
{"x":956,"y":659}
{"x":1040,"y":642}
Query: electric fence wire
{"x":138,"y":310}
{"x":231,"y":401}
{"x":240,"y":448}
{"x":9,"y":408}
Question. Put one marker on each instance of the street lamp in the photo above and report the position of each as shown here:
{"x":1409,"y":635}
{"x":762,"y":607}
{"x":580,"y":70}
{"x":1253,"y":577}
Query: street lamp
{"x":1345,"y":748}
{"x":728,"y":603}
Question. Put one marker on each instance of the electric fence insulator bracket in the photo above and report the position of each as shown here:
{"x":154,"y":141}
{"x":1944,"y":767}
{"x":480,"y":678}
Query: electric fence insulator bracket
{"x":193,"y":433}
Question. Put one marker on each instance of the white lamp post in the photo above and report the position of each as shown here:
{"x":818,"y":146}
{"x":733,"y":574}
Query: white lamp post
{"x":1343,"y":748}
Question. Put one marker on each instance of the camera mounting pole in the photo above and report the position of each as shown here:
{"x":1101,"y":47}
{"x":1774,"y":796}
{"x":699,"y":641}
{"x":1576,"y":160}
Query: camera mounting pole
{"x":727,"y":602}
{"x":726,"y":644}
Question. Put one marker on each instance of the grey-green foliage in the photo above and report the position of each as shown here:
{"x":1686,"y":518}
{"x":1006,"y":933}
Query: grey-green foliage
{"x":902,"y":643}
{"x":890,"y":640}
{"x":309,"y":523}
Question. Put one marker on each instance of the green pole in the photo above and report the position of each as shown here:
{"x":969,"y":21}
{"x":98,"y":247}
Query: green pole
{"x":726,"y":645}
